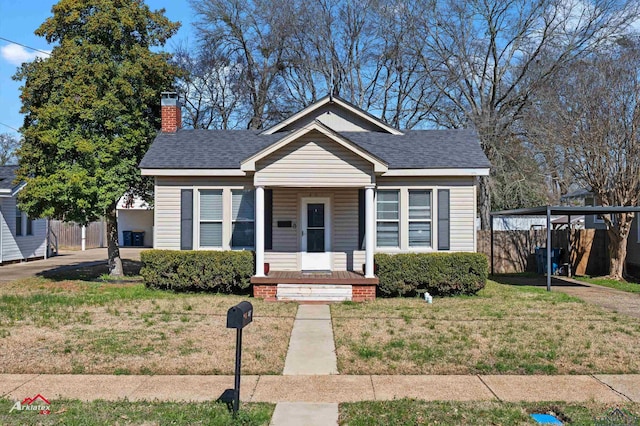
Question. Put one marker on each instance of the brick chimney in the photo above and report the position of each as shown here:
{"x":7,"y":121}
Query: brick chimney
{"x":171,"y":114}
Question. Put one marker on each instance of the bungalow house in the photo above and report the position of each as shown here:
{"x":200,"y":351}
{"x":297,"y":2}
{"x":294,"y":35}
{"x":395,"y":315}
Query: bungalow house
{"x":21,"y":238}
{"x":314,"y":196}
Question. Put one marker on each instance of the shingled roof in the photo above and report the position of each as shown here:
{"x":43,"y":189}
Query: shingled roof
{"x":226,"y":149}
{"x":7,"y":176}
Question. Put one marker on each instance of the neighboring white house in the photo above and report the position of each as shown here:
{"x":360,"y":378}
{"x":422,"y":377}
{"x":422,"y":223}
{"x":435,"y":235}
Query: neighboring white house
{"x":21,"y":238}
{"x":322,"y":191}
{"x":134,"y":216}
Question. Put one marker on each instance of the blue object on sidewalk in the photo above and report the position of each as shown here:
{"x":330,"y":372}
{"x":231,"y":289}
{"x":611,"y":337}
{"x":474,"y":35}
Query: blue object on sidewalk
{"x":546,"y":419}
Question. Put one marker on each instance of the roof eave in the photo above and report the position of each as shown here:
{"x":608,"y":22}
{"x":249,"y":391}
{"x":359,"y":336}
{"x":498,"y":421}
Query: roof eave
{"x":441,"y":171}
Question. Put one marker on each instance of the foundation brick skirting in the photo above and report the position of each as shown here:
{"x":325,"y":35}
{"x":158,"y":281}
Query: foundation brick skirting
{"x":362,"y":293}
{"x":265,"y":291}
{"x":359,"y":292}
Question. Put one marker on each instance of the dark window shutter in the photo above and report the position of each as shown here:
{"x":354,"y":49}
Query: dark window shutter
{"x":268,"y":219}
{"x":361,"y":219}
{"x":186,"y":219}
{"x":443,"y":219}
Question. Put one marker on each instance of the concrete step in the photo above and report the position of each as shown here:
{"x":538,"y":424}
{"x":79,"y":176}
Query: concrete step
{"x":314,"y":292}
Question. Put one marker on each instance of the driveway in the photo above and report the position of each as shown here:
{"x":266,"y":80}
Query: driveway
{"x":605,"y":297}
{"x":66,"y":259}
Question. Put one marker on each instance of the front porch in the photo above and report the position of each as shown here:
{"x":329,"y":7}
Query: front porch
{"x":315,"y":286}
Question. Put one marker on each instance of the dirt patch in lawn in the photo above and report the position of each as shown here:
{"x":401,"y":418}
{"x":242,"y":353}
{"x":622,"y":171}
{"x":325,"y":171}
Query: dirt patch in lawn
{"x":93,"y":328}
{"x":503,"y":330}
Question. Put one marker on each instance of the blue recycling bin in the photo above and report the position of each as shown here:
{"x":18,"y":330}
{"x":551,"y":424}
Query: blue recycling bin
{"x":541,"y":260}
{"x":127,"y":239}
{"x":137,"y":238}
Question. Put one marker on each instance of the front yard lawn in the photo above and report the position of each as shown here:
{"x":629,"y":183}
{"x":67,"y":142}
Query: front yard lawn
{"x":503,"y":330}
{"x":137,"y":413}
{"x":76,"y":326}
{"x":412,"y":412}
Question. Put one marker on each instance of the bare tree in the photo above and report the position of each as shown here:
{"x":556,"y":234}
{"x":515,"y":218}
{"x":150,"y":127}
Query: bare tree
{"x":253,"y":36}
{"x":595,"y":110}
{"x":9,"y":144}
{"x":485,"y":57}
{"x":211,"y":90}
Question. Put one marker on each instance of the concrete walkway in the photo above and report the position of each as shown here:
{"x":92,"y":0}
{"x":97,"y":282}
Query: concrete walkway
{"x":66,"y":259}
{"x":312,"y":352}
{"x":605,"y":297}
{"x":331,"y":389}
{"x":311,"y":348}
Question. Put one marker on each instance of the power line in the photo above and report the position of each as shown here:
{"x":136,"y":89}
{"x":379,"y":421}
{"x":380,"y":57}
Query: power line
{"x":11,"y":127}
{"x":25,"y":46}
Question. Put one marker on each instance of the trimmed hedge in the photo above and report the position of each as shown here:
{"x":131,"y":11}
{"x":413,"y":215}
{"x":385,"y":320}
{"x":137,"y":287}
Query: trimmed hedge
{"x":216,"y":271}
{"x":441,"y":274}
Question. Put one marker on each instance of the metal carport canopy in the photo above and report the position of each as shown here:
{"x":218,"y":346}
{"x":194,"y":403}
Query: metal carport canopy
{"x":553,"y":210}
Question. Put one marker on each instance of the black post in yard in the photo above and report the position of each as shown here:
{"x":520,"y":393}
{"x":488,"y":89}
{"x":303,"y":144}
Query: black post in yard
{"x":236,"y":400}
{"x":238,"y":317}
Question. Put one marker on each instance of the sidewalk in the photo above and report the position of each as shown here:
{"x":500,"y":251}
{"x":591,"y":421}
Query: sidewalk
{"x":326,"y":389}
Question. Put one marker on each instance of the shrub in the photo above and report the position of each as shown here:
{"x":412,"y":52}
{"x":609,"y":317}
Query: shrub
{"x":216,"y":271}
{"x":442,"y":274}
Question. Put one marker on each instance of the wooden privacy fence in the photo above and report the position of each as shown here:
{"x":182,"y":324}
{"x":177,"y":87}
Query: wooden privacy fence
{"x":69,"y":234}
{"x":514,"y":251}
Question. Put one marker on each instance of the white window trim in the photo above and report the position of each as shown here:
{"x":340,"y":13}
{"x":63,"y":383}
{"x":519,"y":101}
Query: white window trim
{"x":196,"y":208}
{"x":399,"y":221}
{"x":429,"y":221}
{"x":403,"y":237}
{"x":227,"y":208}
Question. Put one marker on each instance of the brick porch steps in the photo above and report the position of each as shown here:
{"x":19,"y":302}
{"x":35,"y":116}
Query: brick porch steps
{"x":315,"y":286}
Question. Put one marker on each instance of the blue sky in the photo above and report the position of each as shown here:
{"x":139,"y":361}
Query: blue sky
{"x":18,"y":21}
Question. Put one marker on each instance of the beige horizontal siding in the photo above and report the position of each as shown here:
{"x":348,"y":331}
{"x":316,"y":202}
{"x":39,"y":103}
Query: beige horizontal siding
{"x":345,"y":219}
{"x":167,"y":204}
{"x":314,"y":160}
{"x":285,"y":207}
{"x":282,"y":261}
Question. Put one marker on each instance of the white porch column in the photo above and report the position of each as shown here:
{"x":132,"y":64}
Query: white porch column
{"x":260,"y":231}
{"x":369,"y":224}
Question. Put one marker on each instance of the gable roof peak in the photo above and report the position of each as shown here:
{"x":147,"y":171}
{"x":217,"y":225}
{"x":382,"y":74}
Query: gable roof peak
{"x":332,"y":99}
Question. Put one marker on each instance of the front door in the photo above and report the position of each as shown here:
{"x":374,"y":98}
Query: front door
{"x":315,"y":234}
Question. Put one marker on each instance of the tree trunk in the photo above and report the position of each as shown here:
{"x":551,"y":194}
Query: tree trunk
{"x":115,"y":263}
{"x":484,"y":202}
{"x":617,"y":254}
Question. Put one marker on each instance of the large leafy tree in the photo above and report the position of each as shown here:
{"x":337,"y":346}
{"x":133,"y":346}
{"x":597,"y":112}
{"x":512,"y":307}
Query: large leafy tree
{"x":91,"y":110}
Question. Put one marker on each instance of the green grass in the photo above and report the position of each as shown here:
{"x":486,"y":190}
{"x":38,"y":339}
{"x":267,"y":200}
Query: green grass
{"x":47,"y":304}
{"x":631,"y":287}
{"x":137,"y":413}
{"x":412,"y":412}
{"x":505,"y":329}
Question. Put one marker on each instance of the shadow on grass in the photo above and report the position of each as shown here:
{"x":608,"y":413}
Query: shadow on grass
{"x":532,"y":280}
{"x":92,"y":271}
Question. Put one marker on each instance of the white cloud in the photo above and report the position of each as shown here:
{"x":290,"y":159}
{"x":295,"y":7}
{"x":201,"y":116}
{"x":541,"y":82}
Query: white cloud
{"x":16,"y":54}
